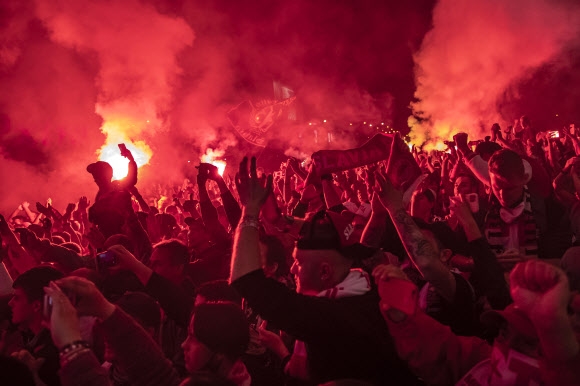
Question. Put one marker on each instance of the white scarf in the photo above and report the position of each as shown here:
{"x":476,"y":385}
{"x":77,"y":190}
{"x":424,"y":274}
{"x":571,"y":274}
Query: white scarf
{"x":509,"y":215}
{"x":513,"y":369}
{"x":356,"y":283}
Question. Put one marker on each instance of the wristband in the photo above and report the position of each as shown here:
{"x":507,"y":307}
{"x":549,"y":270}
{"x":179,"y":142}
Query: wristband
{"x":248,"y":223}
{"x":73,"y":346}
{"x":64,"y":360}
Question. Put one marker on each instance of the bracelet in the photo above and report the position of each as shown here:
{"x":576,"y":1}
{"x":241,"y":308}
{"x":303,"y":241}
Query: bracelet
{"x":250,"y":217}
{"x":72,"y":356}
{"x":73,"y":346}
{"x":249,"y":224}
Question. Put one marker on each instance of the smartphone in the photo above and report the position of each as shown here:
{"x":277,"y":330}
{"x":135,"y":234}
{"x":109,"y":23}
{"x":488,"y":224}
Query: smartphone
{"x":472,"y":199}
{"x":554,"y":134}
{"x":399,"y":294}
{"x":47,"y":304}
{"x":106,"y":259}
{"x":47,"y":307}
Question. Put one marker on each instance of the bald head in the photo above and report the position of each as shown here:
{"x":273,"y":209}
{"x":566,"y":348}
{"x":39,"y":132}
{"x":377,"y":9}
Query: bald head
{"x":318,"y":270}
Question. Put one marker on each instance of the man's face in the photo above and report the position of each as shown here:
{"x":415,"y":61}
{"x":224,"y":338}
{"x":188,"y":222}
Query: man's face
{"x":306,"y":271}
{"x":160,"y":263}
{"x":508,"y":191}
{"x":23,"y":311}
{"x":463,"y":185}
{"x":196,"y":354}
{"x":420,"y":205}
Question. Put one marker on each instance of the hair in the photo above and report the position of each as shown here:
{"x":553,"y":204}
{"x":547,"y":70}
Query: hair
{"x":472,"y":178}
{"x":73,"y":247}
{"x":219,"y":290}
{"x":65,"y":236}
{"x":223,"y":328}
{"x":176,"y":250}
{"x":206,"y":379}
{"x":142,"y":307}
{"x":38,"y":230}
{"x":276,"y":254}
{"x":487,"y":148}
{"x":58,"y":240}
{"x":33,"y":281}
{"x":444,"y":236}
{"x":119,"y":239}
{"x":507,"y":164}
{"x":166,"y":222}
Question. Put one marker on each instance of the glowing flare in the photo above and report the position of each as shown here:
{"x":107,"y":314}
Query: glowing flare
{"x":211,"y":156}
{"x":111,"y":154}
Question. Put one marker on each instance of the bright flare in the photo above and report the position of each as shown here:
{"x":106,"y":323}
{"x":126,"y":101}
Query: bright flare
{"x":111,"y":154}
{"x":210,"y":158}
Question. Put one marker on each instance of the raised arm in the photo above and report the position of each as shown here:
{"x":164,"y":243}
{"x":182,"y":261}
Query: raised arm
{"x":418,"y":247}
{"x":246,"y":254}
{"x":131,"y":179}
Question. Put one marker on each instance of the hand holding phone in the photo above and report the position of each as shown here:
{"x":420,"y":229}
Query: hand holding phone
{"x":125,"y":152}
{"x":106,"y":260}
{"x":471,"y":199}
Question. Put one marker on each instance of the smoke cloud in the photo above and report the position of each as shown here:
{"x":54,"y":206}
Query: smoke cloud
{"x":80,"y":74}
{"x":475,"y":57}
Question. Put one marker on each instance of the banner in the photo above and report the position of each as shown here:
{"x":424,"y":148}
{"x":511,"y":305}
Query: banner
{"x":402,"y":169}
{"x":376,"y":149}
{"x":253,"y":122}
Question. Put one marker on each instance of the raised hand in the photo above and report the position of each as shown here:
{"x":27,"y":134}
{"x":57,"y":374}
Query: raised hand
{"x":208,"y":171}
{"x":88,"y":299}
{"x":389,"y":196}
{"x":125,"y":152}
{"x":43,"y":209}
{"x":540,"y":289}
{"x":70,"y":208}
{"x":64,"y":320}
{"x":460,"y":210}
{"x":252,"y":193}
{"x":272,"y":341}
{"x":83,"y":204}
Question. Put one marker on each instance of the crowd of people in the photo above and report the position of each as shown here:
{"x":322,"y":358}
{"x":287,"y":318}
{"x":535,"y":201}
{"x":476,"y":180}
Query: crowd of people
{"x":467,"y":276}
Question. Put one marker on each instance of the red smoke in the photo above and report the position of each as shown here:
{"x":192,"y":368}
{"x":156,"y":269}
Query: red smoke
{"x":475,"y":53}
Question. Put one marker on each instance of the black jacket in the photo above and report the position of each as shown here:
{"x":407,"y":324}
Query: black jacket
{"x":345,"y":338}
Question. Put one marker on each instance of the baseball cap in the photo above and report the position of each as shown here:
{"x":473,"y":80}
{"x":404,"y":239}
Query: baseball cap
{"x":99,"y":167}
{"x":331,"y":230}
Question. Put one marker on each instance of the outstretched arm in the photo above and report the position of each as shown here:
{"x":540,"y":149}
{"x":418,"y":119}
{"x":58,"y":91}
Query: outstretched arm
{"x":246,"y":255}
{"x":418,"y":247}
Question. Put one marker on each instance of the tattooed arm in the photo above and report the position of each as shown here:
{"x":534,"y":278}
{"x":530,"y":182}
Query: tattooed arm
{"x":423,"y":252}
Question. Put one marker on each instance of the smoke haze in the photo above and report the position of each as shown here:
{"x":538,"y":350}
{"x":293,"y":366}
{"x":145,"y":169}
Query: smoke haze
{"x":478,"y":54}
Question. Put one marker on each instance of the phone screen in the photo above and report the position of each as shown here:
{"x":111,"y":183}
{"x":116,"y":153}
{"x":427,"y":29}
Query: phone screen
{"x":106,"y":259}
